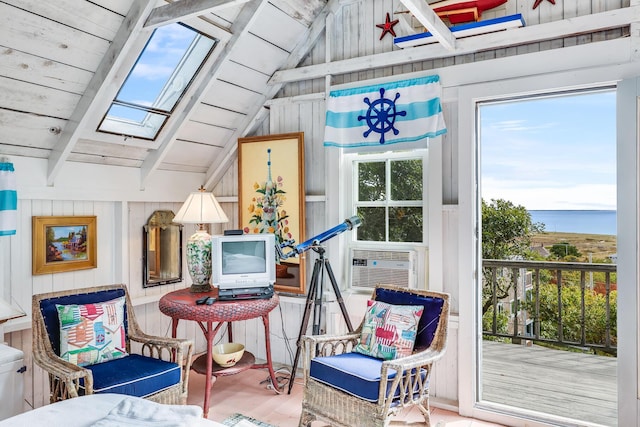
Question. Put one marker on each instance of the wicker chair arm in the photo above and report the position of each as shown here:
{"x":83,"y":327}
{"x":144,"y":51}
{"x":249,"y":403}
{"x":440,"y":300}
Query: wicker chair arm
{"x":60,"y":368}
{"x":326,"y":345}
{"x":411,"y":387}
{"x":176,"y":348}
{"x":159,"y":341}
{"x":416,"y":360}
{"x":63,"y":372}
{"x":319,"y":339}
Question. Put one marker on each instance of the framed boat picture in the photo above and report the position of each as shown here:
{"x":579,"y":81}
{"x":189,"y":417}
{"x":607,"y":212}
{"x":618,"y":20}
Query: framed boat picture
{"x":63,"y":243}
{"x":271,"y":198}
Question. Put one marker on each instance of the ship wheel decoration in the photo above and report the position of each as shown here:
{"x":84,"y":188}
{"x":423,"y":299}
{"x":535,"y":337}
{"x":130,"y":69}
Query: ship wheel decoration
{"x":381,"y":115}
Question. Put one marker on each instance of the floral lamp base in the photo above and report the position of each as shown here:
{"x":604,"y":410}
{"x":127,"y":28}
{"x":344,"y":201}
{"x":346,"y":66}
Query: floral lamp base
{"x":199,"y":261}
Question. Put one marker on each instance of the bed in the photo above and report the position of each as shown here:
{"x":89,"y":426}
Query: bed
{"x":108,"y":410}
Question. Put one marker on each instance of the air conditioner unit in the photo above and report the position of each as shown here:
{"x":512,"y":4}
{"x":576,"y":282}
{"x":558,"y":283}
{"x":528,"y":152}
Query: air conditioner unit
{"x":371,"y":267}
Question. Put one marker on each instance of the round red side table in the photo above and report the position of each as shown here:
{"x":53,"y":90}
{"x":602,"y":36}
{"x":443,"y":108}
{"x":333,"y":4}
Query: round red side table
{"x":181,"y":304}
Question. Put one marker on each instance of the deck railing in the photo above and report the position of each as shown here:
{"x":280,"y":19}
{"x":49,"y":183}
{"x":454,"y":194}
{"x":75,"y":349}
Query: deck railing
{"x":566,"y":304}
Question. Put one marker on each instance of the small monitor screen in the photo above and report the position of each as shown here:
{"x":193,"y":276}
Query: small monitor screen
{"x":248,"y":256}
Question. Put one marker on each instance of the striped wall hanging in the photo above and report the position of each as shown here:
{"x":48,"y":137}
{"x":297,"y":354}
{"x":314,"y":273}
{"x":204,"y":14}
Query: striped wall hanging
{"x":8,"y":199}
{"x":375,"y":117}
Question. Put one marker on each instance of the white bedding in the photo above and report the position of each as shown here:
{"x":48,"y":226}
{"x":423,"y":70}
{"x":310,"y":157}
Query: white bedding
{"x":105,"y":409}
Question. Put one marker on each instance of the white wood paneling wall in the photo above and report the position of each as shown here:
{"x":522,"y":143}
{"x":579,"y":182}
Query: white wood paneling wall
{"x":23,"y":285}
{"x":121,"y":212}
{"x":444,"y":379}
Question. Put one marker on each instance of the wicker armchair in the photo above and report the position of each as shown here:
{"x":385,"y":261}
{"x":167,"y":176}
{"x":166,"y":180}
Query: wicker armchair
{"x":341,"y":397}
{"x":158,"y":371}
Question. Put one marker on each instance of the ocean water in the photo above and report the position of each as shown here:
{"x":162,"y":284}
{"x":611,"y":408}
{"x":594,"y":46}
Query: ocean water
{"x":578,"y":221}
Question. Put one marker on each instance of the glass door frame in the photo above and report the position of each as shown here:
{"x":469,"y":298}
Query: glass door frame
{"x":469,"y":249}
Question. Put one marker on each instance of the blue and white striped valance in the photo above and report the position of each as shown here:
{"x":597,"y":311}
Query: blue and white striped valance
{"x":378,"y":116}
{"x":8,"y":199}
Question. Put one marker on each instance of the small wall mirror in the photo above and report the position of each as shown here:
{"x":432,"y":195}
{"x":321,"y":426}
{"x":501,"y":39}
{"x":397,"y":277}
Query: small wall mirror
{"x":162,"y":250}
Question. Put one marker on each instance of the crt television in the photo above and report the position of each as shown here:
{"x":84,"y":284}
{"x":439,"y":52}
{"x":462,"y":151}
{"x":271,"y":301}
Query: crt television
{"x":243,"y":261}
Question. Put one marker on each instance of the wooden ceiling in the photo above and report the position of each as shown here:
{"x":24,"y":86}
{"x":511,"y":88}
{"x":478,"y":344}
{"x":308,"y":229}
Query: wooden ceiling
{"x":64,"y":61}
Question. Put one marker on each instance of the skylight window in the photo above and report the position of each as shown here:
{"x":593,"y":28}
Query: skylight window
{"x":166,"y":67}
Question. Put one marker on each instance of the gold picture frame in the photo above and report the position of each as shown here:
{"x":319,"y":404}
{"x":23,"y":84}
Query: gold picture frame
{"x":63,"y":243}
{"x":281,"y":157}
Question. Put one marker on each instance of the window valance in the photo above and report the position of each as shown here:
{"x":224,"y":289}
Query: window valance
{"x":382,"y":115}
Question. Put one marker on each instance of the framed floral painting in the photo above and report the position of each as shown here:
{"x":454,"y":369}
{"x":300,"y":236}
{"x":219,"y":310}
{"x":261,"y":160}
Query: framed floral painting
{"x":271,"y":198}
{"x":63,"y":243}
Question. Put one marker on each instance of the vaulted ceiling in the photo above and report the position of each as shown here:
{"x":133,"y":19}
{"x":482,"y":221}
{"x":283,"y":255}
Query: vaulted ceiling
{"x":63,"y":63}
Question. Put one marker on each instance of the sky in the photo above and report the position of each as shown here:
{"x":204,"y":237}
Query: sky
{"x":160,"y":75}
{"x":64,"y":231}
{"x":162,"y":54}
{"x":553,"y":153}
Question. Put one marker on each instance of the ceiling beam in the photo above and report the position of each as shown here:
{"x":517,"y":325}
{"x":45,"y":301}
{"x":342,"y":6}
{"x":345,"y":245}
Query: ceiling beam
{"x":240,"y":27}
{"x":431,"y":21}
{"x":404,"y":20}
{"x":516,"y":36}
{"x":126,"y":36}
{"x":180,"y":10}
{"x":254,"y":117}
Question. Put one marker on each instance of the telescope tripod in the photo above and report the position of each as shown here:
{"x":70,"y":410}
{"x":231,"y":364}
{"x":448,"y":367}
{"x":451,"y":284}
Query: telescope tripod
{"x":314,"y":300}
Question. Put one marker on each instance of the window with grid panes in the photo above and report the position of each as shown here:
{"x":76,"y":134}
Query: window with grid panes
{"x":388,"y":197}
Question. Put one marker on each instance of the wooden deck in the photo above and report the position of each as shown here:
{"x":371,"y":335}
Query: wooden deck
{"x":573,"y":385}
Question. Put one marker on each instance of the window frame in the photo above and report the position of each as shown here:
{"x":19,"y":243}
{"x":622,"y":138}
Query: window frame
{"x":351,"y":192}
{"x":152,"y":110}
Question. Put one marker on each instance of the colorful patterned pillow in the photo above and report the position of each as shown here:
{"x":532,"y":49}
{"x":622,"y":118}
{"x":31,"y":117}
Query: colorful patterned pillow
{"x":92,"y":333}
{"x":389,"y":331}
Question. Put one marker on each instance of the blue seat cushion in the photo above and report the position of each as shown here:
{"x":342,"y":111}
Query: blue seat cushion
{"x":430,"y":317}
{"x":353,"y":373}
{"x":134,"y":375}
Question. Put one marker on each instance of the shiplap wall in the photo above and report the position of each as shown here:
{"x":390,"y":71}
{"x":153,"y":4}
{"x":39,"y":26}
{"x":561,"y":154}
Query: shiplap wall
{"x":17,"y":263}
{"x":22,"y":284}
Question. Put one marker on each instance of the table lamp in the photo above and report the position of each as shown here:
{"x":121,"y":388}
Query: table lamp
{"x":200,"y":208}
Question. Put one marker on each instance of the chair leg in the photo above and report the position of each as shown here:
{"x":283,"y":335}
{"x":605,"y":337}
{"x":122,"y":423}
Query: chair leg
{"x":306,"y":419}
{"x":426,"y":413}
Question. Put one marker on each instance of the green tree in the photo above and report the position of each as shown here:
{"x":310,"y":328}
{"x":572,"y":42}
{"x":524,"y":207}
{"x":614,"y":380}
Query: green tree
{"x":506,"y":230}
{"x":564,"y":249}
{"x":506,"y":234}
{"x":502,"y":323}
{"x":594,"y":311}
{"x":51,"y":236}
{"x":403,"y":222}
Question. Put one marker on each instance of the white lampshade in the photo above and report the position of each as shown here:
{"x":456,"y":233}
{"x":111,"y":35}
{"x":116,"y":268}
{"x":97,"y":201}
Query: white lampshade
{"x":200,"y":208}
